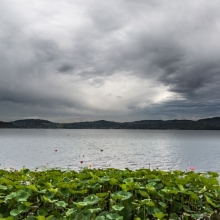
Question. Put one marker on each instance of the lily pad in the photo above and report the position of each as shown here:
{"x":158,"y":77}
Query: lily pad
{"x":91,"y":199}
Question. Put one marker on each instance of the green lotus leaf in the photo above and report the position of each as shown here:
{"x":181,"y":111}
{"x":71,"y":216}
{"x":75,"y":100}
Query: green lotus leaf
{"x":49,"y":195}
{"x":150,"y":189}
{"x":31,"y":218}
{"x":81,"y":204}
{"x":32,"y":187}
{"x":51,"y":217}
{"x":196,"y":216}
{"x":42,"y":191}
{"x":61,"y":204}
{"x":94,"y":176}
{"x":102,"y":195}
{"x":8,"y":218}
{"x":28,"y":204}
{"x":114,"y":216}
{"x":117,"y":207}
{"x":25,"y":171}
{"x":70,"y":212}
{"x":174,"y":216}
{"x":104,"y":213}
{"x":23,"y":208}
{"x":15,"y":212}
{"x":128,"y":180}
{"x":159,"y":215}
{"x":49,"y":200}
{"x":41,"y":217}
{"x":158,"y":186}
{"x":143,"y":193}
{"x":86,"y":214}
{"x":65,"y":192}
{"x":22,"y":196}
{"x":95,"y":210}
{"x":121,"y":195}
{"x":193,"y":195}
{"x":187,"y":208}
{"x":210,"y":201}
{"x":182,"y":189}
{"x":66,"y":179}
{"x":144,"y":201}
{"x":150,"y":203}
{"x":124,"y":187}
{"x":42,"y":212}
{"x":3,"y":187}
{"x":104,"y":179}
{"x":91,"y":199}
{"x":164,"y":205}
{"x":154,"y":180}
{"x":1,"y":201}
{"x":10,"y":196}
{"x":100,"y":218}
{"x":113,"y":181}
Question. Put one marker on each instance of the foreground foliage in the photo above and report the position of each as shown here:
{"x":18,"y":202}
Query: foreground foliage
{"x":108,"y":194}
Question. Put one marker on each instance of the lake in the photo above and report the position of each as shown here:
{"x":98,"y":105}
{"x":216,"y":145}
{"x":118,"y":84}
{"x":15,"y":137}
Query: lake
{"x":163,"y":149}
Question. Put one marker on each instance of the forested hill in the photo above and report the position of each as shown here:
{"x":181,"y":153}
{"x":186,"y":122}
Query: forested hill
{"x":202,"y":124}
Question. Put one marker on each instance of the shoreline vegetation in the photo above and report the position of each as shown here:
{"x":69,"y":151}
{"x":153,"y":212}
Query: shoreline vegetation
{"x":103,"y":194}
{"x":202,"y":124}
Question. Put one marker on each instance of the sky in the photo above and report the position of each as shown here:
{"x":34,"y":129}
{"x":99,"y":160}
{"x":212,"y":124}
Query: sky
{"x":118,"y":60}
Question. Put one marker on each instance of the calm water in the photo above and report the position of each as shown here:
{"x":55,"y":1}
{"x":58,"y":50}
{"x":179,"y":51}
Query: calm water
{"x":110,"y":148}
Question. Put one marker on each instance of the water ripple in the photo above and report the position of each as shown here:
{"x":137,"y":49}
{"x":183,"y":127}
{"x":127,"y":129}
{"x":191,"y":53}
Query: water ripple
{"x":110,"y":148}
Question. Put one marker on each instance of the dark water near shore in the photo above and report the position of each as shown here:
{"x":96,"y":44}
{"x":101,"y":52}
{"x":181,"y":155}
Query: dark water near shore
{"x":110,"y":148}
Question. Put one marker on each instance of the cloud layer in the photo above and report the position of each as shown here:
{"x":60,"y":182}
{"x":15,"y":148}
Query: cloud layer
{"x":115,"y":60}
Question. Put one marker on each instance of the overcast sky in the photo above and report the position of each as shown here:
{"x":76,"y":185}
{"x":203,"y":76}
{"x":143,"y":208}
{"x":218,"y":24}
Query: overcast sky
{"x":118,"y":60}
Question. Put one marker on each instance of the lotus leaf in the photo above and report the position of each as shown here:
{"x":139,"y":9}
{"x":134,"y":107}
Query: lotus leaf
{"x":100,"y":218}
{"x":15,"y":212}
{"x":3,"y":187}
{"x":114,"y":216}
{"x":31,"y":218}
{"x":41,"y":217}
{"x":113,"y":181}
{"x":159,"y":215}
{"x":117,"y":207}
{"x":91,"y":199}
{"x":42,"y":212}
{"x":81,"y":204}
{"x":143,"y":193}
{"x":22,"y":196}
{"x":95,"y":210}
{"x":61,"y":204}
{"x":121,"y":195}
{"x":174,"y":216}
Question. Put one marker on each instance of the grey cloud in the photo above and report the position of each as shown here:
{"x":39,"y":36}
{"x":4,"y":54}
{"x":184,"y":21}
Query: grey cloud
{"x":65,"y":68}
{"x":49,"y":58}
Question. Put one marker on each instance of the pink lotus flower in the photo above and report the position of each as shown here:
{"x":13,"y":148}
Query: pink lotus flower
{"x":192,"y":168}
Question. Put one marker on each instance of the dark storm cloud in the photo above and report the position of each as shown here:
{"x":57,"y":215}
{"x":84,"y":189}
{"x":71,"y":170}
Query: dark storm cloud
{"x":67,"y":57}
{"x":65,"y":68}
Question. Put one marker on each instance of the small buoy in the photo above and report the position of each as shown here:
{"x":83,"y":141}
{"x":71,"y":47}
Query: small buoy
{"x":101,"y":150}
{"x":55,"y":150}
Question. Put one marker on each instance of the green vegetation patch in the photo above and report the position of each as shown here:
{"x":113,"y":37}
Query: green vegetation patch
{"x":103,"y":194}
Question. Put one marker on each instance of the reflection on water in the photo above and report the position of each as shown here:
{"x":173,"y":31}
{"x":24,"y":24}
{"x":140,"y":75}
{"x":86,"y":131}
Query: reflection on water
{"x":165,"y":149}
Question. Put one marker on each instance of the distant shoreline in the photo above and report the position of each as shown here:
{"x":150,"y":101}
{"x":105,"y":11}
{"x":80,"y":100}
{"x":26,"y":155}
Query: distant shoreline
{"x":202,"y":124}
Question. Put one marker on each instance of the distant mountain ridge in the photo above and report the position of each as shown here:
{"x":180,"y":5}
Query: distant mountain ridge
{"x":202,"y":124}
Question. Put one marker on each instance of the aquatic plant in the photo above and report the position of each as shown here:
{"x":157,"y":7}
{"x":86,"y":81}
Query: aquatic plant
{"x":102,"y":194}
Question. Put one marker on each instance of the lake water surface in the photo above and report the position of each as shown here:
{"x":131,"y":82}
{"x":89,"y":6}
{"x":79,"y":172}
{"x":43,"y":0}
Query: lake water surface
{"x":165,"y":149}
